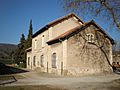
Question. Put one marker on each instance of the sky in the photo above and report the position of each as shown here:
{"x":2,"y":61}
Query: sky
{"x":15,"y":18}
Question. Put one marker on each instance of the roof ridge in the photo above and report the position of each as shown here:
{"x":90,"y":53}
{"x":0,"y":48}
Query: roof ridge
{"x":56,"y":22}
{"x":64,"y":17}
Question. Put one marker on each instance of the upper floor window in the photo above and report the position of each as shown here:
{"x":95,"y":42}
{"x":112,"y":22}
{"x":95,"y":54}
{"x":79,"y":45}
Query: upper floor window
{"x":35,"y":43}
{"x":90,"y":37}
{"x":34,"y":61}
{"x":43,"y":40}
{"x":54,"y":60}
{"x":42,"y":60}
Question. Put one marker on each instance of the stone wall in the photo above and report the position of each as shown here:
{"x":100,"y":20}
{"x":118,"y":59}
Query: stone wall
{"x":88,"y":57}
{"x":39,"y":48}
{"x":64,"y":26}
{"x":116,"y":58}
{"x":29,"y":62}
{"x":56,"y":48}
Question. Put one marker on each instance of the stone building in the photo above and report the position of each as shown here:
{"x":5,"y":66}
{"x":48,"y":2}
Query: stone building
{"x":116,"y":58}
{"x":69,"y":46}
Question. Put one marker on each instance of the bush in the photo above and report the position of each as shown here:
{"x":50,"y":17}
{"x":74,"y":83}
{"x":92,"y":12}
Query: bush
{"x":22,"y":65}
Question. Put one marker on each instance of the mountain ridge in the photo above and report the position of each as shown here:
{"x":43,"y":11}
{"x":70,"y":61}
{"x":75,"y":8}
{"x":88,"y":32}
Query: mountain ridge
{"x":6,"y":49}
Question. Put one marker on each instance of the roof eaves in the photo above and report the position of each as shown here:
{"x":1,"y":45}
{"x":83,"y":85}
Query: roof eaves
{"x":40,"y":31}
{"x":28,"y":49}
{"x":63,"y":36}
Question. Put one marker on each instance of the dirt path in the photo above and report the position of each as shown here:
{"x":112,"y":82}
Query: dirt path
{"x":104,"y":82}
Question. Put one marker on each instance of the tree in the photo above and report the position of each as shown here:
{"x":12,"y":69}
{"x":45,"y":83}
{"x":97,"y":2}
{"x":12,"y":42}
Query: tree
{"x":93,"y":47}
{"x":107,"y":9}
{"x":20,"y":55}
{"x":29,"y":38}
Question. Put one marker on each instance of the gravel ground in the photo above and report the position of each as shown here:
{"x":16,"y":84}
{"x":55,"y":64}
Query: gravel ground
{"x":96,"y":82}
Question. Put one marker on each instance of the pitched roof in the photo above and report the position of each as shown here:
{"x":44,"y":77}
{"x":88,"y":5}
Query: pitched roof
{"x":64,"y":34}
{"x":64,"y":18}
{"x":81,"y":27}
{"x":56,"y":22}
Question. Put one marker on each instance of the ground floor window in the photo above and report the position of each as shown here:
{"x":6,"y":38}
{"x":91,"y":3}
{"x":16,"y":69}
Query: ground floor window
{"x":28,"y":61}
{"x":34,"y":61}
{"x":42,"y":60}
{"x":54,"y":60}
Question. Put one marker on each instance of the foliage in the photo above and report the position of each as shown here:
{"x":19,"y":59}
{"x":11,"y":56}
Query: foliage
{"x":29,"y":38}
{"x":107,"y":9}
{"x":20,"y":54}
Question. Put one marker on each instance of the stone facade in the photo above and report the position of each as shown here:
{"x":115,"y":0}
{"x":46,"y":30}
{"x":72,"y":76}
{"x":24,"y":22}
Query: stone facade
{"x":68,"y":46}
{"x":87,"y":57}
{"x":116,"y":59}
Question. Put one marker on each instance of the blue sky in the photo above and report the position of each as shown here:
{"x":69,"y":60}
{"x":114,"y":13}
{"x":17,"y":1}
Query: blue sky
{"x":15,"y":17}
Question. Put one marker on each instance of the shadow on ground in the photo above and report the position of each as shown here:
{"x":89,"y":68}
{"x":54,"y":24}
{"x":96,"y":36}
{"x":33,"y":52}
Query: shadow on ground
{"x":5,"y":70}
{"x":7,"y":74}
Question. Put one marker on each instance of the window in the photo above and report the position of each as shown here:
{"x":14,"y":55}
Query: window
{"x":43,"y":40}
{"x":90,"y":37}
{"x":36,"y":44}
{"x":42,"y":60}
{"x":54,"y":60}
{"x":34,"y":61}
{"x":28,"y":61}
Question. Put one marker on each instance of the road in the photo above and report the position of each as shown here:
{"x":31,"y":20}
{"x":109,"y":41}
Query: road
{"x":96,"y":82}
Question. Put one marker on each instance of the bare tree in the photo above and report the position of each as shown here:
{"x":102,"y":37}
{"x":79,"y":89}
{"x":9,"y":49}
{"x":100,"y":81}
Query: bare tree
{"x":96,"y":48}
{"x":105,"y":9}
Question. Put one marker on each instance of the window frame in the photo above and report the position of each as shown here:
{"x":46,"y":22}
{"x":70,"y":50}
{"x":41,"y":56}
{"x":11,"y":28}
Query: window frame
{"x":54,"y":60}
{"x":34,"y":61}
{"x":42,"y":60}
{"x":28,"y":61}
{"x":90,"y":37}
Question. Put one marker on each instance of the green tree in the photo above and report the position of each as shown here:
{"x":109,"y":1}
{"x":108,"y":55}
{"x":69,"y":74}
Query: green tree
{"x":29,"y":38}
{"x":105,"y":9}
{"x":20,"y":55}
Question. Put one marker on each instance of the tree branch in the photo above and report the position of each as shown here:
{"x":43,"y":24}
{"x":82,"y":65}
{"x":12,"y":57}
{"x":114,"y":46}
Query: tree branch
{"x":112,"y":13}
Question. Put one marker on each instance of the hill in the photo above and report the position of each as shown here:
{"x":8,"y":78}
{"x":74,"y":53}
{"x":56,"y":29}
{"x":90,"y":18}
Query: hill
{"x":6,"y":51}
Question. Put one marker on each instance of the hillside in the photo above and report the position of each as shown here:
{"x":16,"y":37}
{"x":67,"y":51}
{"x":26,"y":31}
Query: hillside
{"x":6,"y":50}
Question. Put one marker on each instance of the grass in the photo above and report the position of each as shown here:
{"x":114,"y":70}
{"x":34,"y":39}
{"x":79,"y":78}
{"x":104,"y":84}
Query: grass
{"x":30,"y":87}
